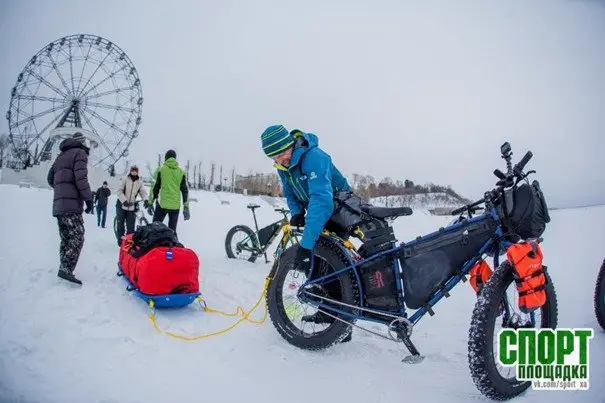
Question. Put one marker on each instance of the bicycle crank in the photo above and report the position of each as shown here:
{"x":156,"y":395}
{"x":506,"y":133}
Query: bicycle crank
{"x":399,"y":330}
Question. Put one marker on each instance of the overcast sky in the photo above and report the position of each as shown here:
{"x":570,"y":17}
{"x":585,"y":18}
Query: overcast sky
{"x":425,"y":90}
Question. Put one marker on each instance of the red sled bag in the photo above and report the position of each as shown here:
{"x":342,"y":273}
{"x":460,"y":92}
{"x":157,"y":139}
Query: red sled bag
{"x":162,"y":270}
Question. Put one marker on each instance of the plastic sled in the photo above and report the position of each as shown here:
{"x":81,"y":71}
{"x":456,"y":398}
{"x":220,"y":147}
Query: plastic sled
{"x":160,"y":301}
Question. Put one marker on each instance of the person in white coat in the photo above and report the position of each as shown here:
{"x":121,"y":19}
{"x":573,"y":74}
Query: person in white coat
{"x":130,"y":187}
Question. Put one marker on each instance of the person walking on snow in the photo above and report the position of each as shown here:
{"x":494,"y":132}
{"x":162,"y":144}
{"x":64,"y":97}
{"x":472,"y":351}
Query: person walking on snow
{"x":309,"y":181}
{"x":68,"y":176}
{"x":130,"y":187}
{"x":100,"y":198}
{"x":169,"y":183}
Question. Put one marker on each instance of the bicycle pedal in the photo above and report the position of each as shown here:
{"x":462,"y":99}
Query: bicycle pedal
{"x":413,"y":359}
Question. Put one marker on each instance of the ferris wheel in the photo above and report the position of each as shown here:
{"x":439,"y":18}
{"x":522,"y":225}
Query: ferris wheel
{"x":78,"y":81}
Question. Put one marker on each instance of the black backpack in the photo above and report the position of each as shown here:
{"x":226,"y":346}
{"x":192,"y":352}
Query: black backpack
{"x":151,"y":236}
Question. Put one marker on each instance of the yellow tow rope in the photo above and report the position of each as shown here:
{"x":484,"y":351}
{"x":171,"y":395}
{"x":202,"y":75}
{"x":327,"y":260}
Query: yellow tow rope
{"x":245,"y":316}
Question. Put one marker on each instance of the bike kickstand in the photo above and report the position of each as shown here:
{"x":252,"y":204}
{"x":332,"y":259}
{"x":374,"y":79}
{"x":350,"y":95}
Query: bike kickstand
{"x":414,"y":357}
{"x":266,"y":260}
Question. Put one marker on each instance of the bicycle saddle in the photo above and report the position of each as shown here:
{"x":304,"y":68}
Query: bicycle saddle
{"x":387,"y":212}
{"x":253,"y":206}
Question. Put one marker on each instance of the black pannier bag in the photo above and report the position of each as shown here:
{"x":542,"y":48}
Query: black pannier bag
{"x":378,"y":278}
{"x":428,"y":262}
{"x":151,"y":236}
{"x":524,"y":212}
{"x":347,"y":215}
{"x":265,"y":234}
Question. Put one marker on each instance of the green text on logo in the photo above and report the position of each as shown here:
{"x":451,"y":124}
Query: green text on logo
{"x":553,"y":359}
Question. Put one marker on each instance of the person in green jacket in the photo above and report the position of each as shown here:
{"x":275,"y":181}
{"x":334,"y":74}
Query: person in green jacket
{"x":169,"y":183}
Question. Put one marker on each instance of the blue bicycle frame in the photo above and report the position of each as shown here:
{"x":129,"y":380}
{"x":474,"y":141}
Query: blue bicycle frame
{"x":452,"y":281}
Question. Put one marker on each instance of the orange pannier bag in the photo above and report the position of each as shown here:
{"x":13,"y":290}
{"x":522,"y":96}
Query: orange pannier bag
{"x":479,"y":275}
{"x":528,"y":271}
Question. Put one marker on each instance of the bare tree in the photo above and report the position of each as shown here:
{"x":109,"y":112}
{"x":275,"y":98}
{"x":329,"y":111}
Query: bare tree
{"x":4,"y":144}
{"x":194,"y":185}
{"x":211,"y":182}
{"x":233,"y":180}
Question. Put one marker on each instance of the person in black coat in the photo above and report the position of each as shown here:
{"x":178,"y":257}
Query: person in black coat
{"x":68,"y":176}
{"x":101,"y":196}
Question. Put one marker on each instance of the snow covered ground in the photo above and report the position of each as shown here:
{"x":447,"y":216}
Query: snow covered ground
{"x":95,"y":344}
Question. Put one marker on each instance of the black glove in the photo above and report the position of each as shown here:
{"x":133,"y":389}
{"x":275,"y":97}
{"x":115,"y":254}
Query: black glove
{"x":126,"y":204}
{"x":297,"y":220}
{"x":146,"y":204}
{"x":186,"y":214}
{"x":89,"y":207}
{"x":302,"y":261}
{"x":150,"y":210}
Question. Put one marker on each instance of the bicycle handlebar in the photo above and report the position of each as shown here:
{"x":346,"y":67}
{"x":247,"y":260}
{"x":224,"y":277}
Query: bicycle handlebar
{"x":506,"y":180}
{"x":467,"y":207}
{"x":521,"y":164}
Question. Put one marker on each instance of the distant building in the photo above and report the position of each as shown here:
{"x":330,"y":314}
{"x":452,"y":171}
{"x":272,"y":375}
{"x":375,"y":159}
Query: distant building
{"x":258,"y":184}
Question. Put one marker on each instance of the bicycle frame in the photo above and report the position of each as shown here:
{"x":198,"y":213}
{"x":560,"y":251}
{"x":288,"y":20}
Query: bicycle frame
{"x":284,"y":227}
{"x":496,"y":240}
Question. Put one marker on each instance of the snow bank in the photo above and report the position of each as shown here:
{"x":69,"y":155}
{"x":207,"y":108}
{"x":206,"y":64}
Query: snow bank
{"x":95,"y":344}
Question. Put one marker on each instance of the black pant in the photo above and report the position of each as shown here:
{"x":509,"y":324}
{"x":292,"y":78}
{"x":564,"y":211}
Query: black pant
{"x":125,"y":216}
{"x":173,"y":216}
{"x":71,"y":231}
{"x":101,"y":215}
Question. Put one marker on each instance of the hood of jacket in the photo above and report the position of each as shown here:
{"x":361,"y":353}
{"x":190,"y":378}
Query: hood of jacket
{"x":171,"y":163}
{"x":304,"y":142}
{"x":72,"y":143}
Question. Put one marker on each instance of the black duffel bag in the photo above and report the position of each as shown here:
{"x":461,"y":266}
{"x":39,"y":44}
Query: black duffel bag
{"x":150,"y":236}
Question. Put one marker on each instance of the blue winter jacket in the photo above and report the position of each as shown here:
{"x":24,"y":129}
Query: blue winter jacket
{"x":309,"y":183}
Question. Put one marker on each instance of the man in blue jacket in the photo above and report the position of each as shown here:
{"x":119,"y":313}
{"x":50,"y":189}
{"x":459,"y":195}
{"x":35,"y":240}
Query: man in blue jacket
{"x":309,"y":182}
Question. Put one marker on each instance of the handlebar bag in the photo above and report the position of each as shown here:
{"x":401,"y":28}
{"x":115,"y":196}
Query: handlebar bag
{"x":429,"y":261}
{"x":524,"y":212}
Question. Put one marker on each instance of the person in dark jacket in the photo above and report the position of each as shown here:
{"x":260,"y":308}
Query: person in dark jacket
{"x":68,"y":176}
{"x":309,"y":181}
{"x":100,"y":197}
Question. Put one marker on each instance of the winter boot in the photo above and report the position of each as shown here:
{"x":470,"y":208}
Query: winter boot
{"x":66,"y":275}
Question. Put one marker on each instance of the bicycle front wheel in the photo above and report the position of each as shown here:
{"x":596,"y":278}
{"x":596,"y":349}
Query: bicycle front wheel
{"x":493,"y":308}
{"x":599,"y":297}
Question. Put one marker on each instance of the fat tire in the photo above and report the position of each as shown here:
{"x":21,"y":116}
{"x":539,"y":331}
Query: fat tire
{"x":481,"y":334}
{"x":115,"y":227}
{"x":248,"y":232}
{"x":338,"y":330}
{"x":599,"y":296}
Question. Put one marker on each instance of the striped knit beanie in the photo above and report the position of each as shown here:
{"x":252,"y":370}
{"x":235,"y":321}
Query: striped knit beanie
{"x":276,"y":139}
